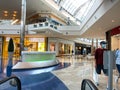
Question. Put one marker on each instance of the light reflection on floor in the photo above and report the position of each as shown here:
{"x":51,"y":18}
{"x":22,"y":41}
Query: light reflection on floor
{"x":81,"y":68}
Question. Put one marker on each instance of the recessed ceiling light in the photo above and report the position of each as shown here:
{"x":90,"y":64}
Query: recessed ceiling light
{"x":113,"y":20}
{"x":15,"y":12}
{"x":5,"y":11}
{"x":14,"y":15}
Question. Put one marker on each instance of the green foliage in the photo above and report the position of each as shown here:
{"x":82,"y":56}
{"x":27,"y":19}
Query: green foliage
{"x":11,"y":45}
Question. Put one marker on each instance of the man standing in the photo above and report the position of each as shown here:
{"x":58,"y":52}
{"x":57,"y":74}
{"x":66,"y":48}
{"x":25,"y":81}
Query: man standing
{"x":99,"y":59}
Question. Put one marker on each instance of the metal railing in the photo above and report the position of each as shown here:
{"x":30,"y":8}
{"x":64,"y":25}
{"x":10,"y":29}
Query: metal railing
{"x":13,"y":82}
{"x":88,"y":85}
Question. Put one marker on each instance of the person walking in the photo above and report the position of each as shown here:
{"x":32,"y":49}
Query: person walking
{"x":99,"y":60}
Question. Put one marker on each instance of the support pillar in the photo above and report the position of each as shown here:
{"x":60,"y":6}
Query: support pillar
{"x":110,"y":70}
{"x":23,"y":22}
{"x":92,"y":47}
{"x":96,"y":43}
{"x":57,"y":48}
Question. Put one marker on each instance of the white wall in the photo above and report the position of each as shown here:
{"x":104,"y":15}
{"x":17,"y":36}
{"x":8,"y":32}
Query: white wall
{"x":103,"y":7}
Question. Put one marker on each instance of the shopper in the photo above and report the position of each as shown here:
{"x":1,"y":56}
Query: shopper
{"x":99,"y":59}
{"x":117,"y":54}
{"x":72,"y":52}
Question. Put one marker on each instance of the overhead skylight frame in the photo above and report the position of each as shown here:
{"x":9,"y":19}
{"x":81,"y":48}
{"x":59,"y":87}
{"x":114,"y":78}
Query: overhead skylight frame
{"x":76,"y":8}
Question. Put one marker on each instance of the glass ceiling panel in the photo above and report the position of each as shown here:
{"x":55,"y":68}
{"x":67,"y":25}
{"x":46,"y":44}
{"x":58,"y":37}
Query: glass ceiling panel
{"x":82,"y":12}
{"x":56,"y":0}
{"x":76,"y":8}
{"x":72,"y":10}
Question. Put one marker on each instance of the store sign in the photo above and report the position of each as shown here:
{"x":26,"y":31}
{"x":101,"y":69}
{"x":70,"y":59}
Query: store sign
{"x":37,"y":39}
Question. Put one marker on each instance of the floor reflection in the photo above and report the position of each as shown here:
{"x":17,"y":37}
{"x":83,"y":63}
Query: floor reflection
{"x":71,"y":71}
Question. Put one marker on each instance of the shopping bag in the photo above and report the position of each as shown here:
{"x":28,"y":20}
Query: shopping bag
{"x":95,"y":76}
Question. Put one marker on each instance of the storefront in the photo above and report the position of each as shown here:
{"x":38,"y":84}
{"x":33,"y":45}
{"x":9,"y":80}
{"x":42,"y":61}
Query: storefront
{"x":113,"y":38}
{"x":82,"y":49}
{"x":60,"y":46}
{"x":31,"y":44}
{"x":65,"y":48}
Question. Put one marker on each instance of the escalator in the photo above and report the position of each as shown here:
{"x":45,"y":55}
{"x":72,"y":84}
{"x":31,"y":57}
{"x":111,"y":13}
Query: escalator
{"x":13,"y":83}
{"x":10,"y":83}
{"x":88,"y":85}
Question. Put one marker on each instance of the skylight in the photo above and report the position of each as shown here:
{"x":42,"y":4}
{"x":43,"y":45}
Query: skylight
{"x":76,"y":8}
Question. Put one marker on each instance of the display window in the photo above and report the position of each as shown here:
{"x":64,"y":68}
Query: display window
{"x":30,"y":44}
{"x":52,"y":46}
{"x":65,"y":48}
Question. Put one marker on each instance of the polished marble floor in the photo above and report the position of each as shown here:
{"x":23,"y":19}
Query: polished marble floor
{"x":80,"y":68}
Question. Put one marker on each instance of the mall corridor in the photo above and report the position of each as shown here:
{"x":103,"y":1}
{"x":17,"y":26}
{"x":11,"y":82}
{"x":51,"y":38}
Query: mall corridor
{"x":68,"y":78}
{"x":80,"y":69}
{"x":53,"y":44}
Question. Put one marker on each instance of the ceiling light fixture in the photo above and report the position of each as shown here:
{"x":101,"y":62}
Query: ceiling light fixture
{"x":15,"y":12}
{"x":113,"y":20}
{"x":5,"y":11}
{"x":14,"y":15}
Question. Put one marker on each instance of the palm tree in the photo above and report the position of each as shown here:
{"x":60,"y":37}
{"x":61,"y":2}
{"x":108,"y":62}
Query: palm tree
{"x":10,"y":56}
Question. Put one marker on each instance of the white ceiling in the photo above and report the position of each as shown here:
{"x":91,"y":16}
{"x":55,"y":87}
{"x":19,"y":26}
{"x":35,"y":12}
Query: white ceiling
{"x":96,"y":31}
{"x":104,"y":23}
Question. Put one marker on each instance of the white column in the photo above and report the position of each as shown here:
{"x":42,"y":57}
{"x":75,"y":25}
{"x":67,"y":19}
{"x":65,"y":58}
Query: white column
{"x":57,"y":48}
{"x":92,"y":47}
{"x":74,"y":48}
{"x":23,"y":22}
{"x":96,"y":43}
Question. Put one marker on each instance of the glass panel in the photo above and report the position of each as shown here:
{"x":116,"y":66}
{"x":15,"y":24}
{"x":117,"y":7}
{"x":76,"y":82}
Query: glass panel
{"x":67,"y":4}
{"x":77,"y":8}
{"x":73,"y":10}
{"x":70,"y":6}
{"x":87,"y":87}
{"x":56,"y":0}
{"x":83,"y":11}
{"x":9,"y":85}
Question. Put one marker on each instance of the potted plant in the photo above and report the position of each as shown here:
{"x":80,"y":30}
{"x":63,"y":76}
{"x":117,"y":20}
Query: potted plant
{"x":10,"y":56}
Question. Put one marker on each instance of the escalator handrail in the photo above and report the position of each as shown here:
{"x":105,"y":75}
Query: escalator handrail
{"x":12,"y":77}
{"x":90,"y":83}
